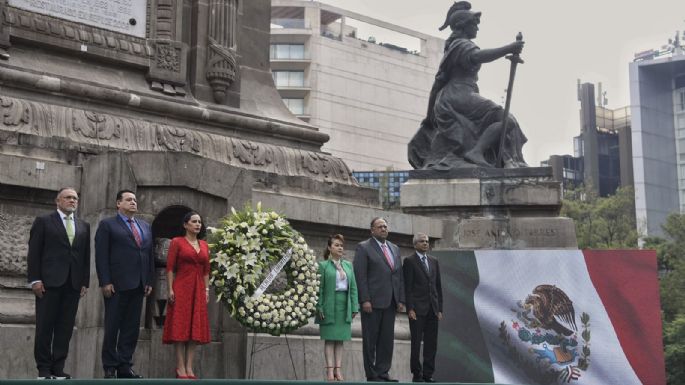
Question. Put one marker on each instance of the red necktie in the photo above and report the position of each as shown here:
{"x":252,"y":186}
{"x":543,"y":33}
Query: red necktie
{"x":136,"y":234}
{"x":388,"y":257}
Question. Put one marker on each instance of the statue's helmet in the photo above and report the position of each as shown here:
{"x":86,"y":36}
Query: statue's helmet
{"x":459,"y":15}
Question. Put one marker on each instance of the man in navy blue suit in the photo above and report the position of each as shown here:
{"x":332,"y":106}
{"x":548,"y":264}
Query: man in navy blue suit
{"x":125,"y":267}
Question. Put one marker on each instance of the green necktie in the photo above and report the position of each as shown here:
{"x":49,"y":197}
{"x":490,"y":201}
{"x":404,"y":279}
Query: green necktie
{"x":70,"y":228}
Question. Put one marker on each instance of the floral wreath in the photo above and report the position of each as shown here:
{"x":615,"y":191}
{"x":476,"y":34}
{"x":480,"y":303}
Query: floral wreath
{"x":248,"y":249}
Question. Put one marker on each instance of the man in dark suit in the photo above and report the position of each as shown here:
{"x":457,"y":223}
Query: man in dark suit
{"x":378,"y":270}
{"x":58,"y":271}
{"x":424,"y":307}
{"x":125,"y":267}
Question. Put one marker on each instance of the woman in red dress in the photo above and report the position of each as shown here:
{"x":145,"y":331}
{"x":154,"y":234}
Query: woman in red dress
{"x":186,"y":323}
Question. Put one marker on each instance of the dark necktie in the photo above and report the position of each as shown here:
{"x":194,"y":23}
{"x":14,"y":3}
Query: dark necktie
{"x":134,"y":230}
{"x":388,"y":256}
{"x":425,"y":262}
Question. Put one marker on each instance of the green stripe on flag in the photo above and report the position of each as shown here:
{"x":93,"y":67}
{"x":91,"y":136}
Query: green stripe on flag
{"x":462,"y":353}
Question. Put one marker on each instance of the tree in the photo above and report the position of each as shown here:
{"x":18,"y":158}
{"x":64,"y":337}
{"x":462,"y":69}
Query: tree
{"x":602,"y":222}
{"x":671,"y":259}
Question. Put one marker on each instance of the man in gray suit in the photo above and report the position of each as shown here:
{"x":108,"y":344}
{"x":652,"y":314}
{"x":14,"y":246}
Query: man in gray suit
{"x":378,"y":270}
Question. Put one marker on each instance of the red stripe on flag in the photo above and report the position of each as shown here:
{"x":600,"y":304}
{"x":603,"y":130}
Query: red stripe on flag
{"x":626,"y":281}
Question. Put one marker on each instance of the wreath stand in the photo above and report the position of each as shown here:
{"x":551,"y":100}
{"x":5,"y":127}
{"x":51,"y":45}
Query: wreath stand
{"x":266,"y":346}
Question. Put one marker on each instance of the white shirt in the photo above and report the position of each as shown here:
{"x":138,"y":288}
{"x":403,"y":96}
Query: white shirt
{"x":340,"y":283}
{"x":63,"y":216}
{"x":424,"y":260}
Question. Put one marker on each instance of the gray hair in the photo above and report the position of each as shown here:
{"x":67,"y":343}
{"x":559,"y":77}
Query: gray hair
{"x":417,"y":237}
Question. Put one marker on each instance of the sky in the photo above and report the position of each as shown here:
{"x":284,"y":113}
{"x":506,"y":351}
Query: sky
{"x":593,"y":41}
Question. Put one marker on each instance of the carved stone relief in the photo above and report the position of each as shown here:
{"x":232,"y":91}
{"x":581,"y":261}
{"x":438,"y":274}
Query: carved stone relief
{"x":168,"y":58}
{"x":222,"y":63}
{"x":14,"y":237}
{"x":167,"y":69}
{"x":14,"y":112}
{"x":176,"y":139}
{"x":253,"y":153}
{"x":95,"y":126}
{"x":110,"y":131}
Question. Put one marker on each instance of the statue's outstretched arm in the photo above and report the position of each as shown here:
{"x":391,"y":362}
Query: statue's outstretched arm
{"x":492,"y":54}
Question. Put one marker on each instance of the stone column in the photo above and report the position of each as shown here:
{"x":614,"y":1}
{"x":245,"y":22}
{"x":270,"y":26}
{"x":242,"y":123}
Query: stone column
{"x":4,"y":32}
{"x":222,"y":62}
{"x":168,"y":64}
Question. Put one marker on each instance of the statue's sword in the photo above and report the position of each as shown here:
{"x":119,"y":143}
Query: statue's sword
{"x":515,"y":60}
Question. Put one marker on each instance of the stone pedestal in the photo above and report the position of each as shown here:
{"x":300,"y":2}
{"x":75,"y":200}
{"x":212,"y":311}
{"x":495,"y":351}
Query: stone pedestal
{"x":491,"y":208}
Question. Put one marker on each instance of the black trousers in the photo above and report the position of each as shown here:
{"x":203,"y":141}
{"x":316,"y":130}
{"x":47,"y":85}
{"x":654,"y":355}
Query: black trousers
{"x":55,"y":318}
{"x":122,"y":326}
{"x":424,"y":328}
{"x":378,"y":339}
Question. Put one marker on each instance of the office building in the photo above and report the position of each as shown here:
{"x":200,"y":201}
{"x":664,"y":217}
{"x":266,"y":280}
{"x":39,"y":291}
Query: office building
{"x":602,"y":155}
{"x":657,"y":98}
{"x":363,"y":81}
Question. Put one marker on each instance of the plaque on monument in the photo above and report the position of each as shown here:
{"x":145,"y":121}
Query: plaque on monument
{"x":124,"y":16}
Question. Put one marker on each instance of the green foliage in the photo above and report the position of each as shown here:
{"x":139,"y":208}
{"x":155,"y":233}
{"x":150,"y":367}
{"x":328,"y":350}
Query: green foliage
{"x":671,"y":258}
{"x":674,"y":349}
{"x":602,"y":222}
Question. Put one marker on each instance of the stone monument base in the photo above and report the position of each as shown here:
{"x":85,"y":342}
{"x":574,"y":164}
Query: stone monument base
{"x":492,"y":208}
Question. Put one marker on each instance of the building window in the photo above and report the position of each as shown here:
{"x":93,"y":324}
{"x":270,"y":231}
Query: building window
{"x":287,"y":51}
{"x":289,"y":78}
{"x":387,"y":182}
{"x":578,"y":150}
{"x":680,"y":101}
{"x":296,"y":106}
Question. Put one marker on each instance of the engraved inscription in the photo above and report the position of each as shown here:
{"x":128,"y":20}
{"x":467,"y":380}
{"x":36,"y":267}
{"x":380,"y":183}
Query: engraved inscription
{"x":125,"y":16}
{"x":543,"y":232}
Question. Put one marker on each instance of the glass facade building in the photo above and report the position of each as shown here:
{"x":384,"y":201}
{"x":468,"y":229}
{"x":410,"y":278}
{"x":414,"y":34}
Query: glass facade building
{"x":386,"y":182}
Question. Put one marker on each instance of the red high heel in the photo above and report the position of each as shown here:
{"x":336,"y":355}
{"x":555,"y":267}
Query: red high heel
{"x":180,"y":376}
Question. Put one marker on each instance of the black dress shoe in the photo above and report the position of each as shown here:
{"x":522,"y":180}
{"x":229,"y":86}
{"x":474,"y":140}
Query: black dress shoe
{"x":61,"y":375}
{"x":388,"y":379}
{"x":110,"y":373}
{"x":128,"y":373}
{"x":428,"y":379}
{"x":45,"y":375}
{"x":417,"y":379}
{"x":374,"y":379}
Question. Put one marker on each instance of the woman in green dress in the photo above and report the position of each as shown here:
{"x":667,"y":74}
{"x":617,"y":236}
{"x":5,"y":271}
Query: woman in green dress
{"x":337,"y":306}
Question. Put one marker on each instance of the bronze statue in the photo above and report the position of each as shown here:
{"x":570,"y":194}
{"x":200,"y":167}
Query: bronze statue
{"x":462,"y":128}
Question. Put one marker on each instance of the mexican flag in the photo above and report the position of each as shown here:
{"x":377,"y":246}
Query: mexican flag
{"x":550,"y":317}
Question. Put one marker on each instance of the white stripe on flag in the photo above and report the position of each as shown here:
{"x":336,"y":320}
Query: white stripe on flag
{"x":510,"y":276}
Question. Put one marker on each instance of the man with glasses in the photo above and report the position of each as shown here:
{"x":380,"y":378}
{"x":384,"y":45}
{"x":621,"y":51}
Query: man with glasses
{"x":424,"y":307}
{"x":378,"y":270}
{"x":58,"y":272}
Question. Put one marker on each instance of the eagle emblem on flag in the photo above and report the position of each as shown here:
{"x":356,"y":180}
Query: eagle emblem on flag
{"x":543,"y":338}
